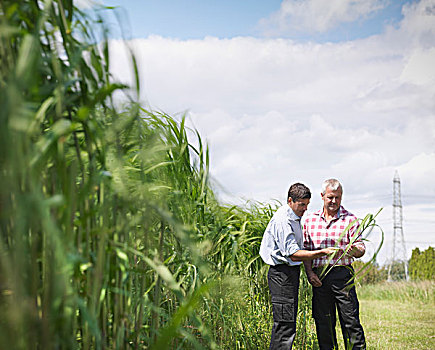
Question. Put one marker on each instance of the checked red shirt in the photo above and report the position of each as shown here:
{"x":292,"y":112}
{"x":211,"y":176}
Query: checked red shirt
{"x":318,"y":234}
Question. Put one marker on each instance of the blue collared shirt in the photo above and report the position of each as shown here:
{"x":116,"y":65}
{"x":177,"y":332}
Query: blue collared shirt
{"x":282,"y":238}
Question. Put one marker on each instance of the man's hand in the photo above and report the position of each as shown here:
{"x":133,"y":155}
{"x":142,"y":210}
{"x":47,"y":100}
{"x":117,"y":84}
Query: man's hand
{"x":355,"y":251}
{"x":314,"y":280}
{"x":334,"y":251}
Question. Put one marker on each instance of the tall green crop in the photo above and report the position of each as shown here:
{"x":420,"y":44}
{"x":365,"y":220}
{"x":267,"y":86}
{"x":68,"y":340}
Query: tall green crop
{"x":98,"y":206}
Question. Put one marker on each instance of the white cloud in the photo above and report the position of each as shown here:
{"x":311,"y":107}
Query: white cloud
{"x":419,"y":169}
{"x":275,"y":112}
{"x":318,"y":15}
{"x":420,"y":69}
{"x":419,"y":22}
{"x":416,"y":30}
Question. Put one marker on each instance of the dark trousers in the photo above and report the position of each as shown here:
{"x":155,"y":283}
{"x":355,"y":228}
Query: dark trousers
{"x":336,"y":294}
{"x":283,"y":283}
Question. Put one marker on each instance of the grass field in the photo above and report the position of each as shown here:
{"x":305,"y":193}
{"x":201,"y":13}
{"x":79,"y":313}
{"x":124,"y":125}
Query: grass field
{"x":398,"y":315}
{"x":398,"y":325}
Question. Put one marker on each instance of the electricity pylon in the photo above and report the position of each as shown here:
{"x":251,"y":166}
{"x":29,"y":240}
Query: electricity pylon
{"x":399,"y":249}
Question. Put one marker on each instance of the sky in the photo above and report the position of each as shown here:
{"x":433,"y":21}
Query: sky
{"x":297,"y":91}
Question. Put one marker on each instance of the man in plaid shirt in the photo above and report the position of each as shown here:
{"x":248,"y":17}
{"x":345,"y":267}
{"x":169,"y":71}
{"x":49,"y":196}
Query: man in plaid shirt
{"x":334,"y":226}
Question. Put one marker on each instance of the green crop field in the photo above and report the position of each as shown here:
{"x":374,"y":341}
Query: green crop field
{"x":111,"y":234}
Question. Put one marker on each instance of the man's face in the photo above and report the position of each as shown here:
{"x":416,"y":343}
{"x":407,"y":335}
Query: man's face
{"x":332,"y":200}
{"x":299,"y":206}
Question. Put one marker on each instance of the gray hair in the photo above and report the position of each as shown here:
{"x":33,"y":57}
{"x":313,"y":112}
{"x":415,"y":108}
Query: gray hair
{"x":333,"y":184}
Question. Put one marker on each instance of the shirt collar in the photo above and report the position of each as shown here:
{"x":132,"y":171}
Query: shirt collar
{"x":292,"y":214}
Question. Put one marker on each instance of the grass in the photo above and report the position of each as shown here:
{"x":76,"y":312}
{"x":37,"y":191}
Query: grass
{"x":392,"y":324}
{"x":398,"y":315}
{"x":423,"y":291}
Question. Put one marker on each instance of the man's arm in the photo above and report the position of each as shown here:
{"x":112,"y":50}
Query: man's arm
{"x":304,"y":255}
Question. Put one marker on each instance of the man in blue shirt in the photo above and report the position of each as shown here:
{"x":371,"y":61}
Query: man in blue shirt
{"x":281,"y":248}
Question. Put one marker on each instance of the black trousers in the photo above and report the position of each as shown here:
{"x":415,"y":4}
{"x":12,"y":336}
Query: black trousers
{"x":283,"y":283}
{"x":336,"y":294}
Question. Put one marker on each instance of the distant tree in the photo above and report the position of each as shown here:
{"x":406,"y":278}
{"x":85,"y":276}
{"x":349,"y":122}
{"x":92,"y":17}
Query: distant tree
{"x":422,"y":264}
{"x":414,"y":263}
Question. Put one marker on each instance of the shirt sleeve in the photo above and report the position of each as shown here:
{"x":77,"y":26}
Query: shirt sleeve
{"x":285,"y":239}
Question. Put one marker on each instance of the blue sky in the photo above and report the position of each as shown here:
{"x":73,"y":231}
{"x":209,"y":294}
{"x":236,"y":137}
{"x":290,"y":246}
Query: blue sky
{"x":298,"y":91}
{"x":196,"y":19}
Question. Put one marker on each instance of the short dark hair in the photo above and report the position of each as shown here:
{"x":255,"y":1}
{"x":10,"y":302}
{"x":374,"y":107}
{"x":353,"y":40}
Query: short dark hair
{"x":298,"y":191}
